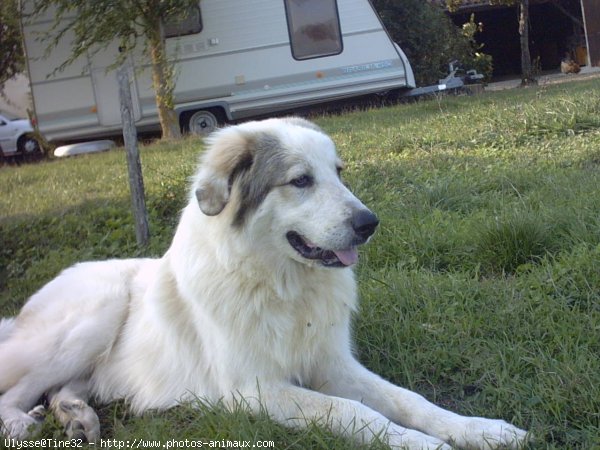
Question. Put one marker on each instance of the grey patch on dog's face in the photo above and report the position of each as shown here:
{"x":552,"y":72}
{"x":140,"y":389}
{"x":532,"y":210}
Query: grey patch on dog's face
{"x":255,"y":180}
{"x":244,"y":164}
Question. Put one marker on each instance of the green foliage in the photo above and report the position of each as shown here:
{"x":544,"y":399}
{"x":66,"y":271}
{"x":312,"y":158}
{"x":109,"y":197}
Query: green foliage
{"x":483,"y":64}
{"x":480,"y":290}
{"x":93,"y":26}
{"x":428,"y":37}
{"x":476,"y":59}
{"x":12,"y":58}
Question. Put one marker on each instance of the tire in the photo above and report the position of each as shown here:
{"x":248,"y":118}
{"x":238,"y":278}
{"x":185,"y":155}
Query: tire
{"x":28,"y":146}
{"x":202,"y":123}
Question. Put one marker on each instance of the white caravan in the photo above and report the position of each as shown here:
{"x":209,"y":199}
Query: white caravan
{"x":234,"y":59}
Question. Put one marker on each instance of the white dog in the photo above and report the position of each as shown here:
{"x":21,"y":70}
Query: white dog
{"x":252,"y":300}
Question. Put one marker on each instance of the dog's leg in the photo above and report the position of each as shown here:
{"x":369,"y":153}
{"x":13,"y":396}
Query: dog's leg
{"x":70,"y":407}
{"x":15,"y":422}
{"x":298,"y":407}
{"x":40,"y":377}
{"x":349,"y":379}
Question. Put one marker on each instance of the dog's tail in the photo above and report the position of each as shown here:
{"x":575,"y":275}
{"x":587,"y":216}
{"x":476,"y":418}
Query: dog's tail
{"x":6,"y":327}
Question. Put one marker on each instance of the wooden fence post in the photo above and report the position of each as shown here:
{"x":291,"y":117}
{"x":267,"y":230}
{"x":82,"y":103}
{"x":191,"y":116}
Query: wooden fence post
{"x":134,"y":166}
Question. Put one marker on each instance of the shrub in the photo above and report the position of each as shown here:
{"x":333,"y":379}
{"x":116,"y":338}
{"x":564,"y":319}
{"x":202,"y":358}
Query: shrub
{"x":429,"y":38}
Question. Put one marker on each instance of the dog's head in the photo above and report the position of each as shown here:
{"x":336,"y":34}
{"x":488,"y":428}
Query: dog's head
{"x":279,"y":181}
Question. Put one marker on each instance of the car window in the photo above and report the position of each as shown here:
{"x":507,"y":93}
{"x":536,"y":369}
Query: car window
{"x":6,"y":116}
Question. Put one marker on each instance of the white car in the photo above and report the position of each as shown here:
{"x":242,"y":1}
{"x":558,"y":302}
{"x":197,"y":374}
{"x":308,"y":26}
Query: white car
{"x":16,"y":137}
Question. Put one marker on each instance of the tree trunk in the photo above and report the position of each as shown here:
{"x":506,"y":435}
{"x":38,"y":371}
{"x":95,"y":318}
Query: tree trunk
{"x":527,"y":77}
{"x":164,"y":85}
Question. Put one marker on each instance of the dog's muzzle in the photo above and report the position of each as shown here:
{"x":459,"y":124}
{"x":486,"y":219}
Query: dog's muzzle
{"x":363,"y":223}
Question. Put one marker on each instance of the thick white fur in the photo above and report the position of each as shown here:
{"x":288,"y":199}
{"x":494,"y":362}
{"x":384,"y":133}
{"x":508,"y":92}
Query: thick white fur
{"x":229,"y":312}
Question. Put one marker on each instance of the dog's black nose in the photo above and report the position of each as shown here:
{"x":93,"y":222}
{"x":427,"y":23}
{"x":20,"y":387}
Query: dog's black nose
{"x":364,"y":223}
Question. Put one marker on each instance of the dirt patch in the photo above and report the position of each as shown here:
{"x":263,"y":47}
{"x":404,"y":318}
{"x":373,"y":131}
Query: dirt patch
{"x":547,"y":79}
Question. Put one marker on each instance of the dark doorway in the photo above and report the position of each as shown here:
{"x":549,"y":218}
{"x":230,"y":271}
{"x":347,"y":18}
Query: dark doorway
{"x":554,"y":31}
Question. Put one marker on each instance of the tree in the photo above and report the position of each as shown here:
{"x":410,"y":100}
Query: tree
{"x":96,"y":24}
{"x":527,"y":76}
{"x":12,"y":59}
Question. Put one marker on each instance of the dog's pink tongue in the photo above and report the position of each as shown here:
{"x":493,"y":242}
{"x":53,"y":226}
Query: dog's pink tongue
{"x":347,"y":257}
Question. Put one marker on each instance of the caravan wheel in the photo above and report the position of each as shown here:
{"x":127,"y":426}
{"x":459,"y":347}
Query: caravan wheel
{"x":202,"y":123}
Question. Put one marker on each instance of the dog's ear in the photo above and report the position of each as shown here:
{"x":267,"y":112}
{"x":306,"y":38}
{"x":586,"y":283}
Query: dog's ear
{"x":212,"y":196}
{"x":229,"y":151}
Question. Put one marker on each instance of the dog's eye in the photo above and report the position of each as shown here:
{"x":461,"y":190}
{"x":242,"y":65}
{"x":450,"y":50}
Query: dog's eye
{"x":303,"y":181}
{"x":339,"y":172}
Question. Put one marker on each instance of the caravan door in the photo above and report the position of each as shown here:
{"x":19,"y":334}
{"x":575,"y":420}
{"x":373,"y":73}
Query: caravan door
{"x":106,"y":86}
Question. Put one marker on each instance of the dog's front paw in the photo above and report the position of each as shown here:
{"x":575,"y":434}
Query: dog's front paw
{"x":486,"y":434}
{"x":20,"y":426}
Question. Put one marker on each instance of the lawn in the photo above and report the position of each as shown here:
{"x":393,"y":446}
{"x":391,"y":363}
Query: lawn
{"x":481,"y":289}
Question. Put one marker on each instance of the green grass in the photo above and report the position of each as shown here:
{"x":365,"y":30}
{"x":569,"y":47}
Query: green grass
{"x":481,"y":289}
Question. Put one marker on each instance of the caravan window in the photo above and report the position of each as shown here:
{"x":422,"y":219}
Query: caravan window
{"x":183,"y":24}
{"x":314,"y":27}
